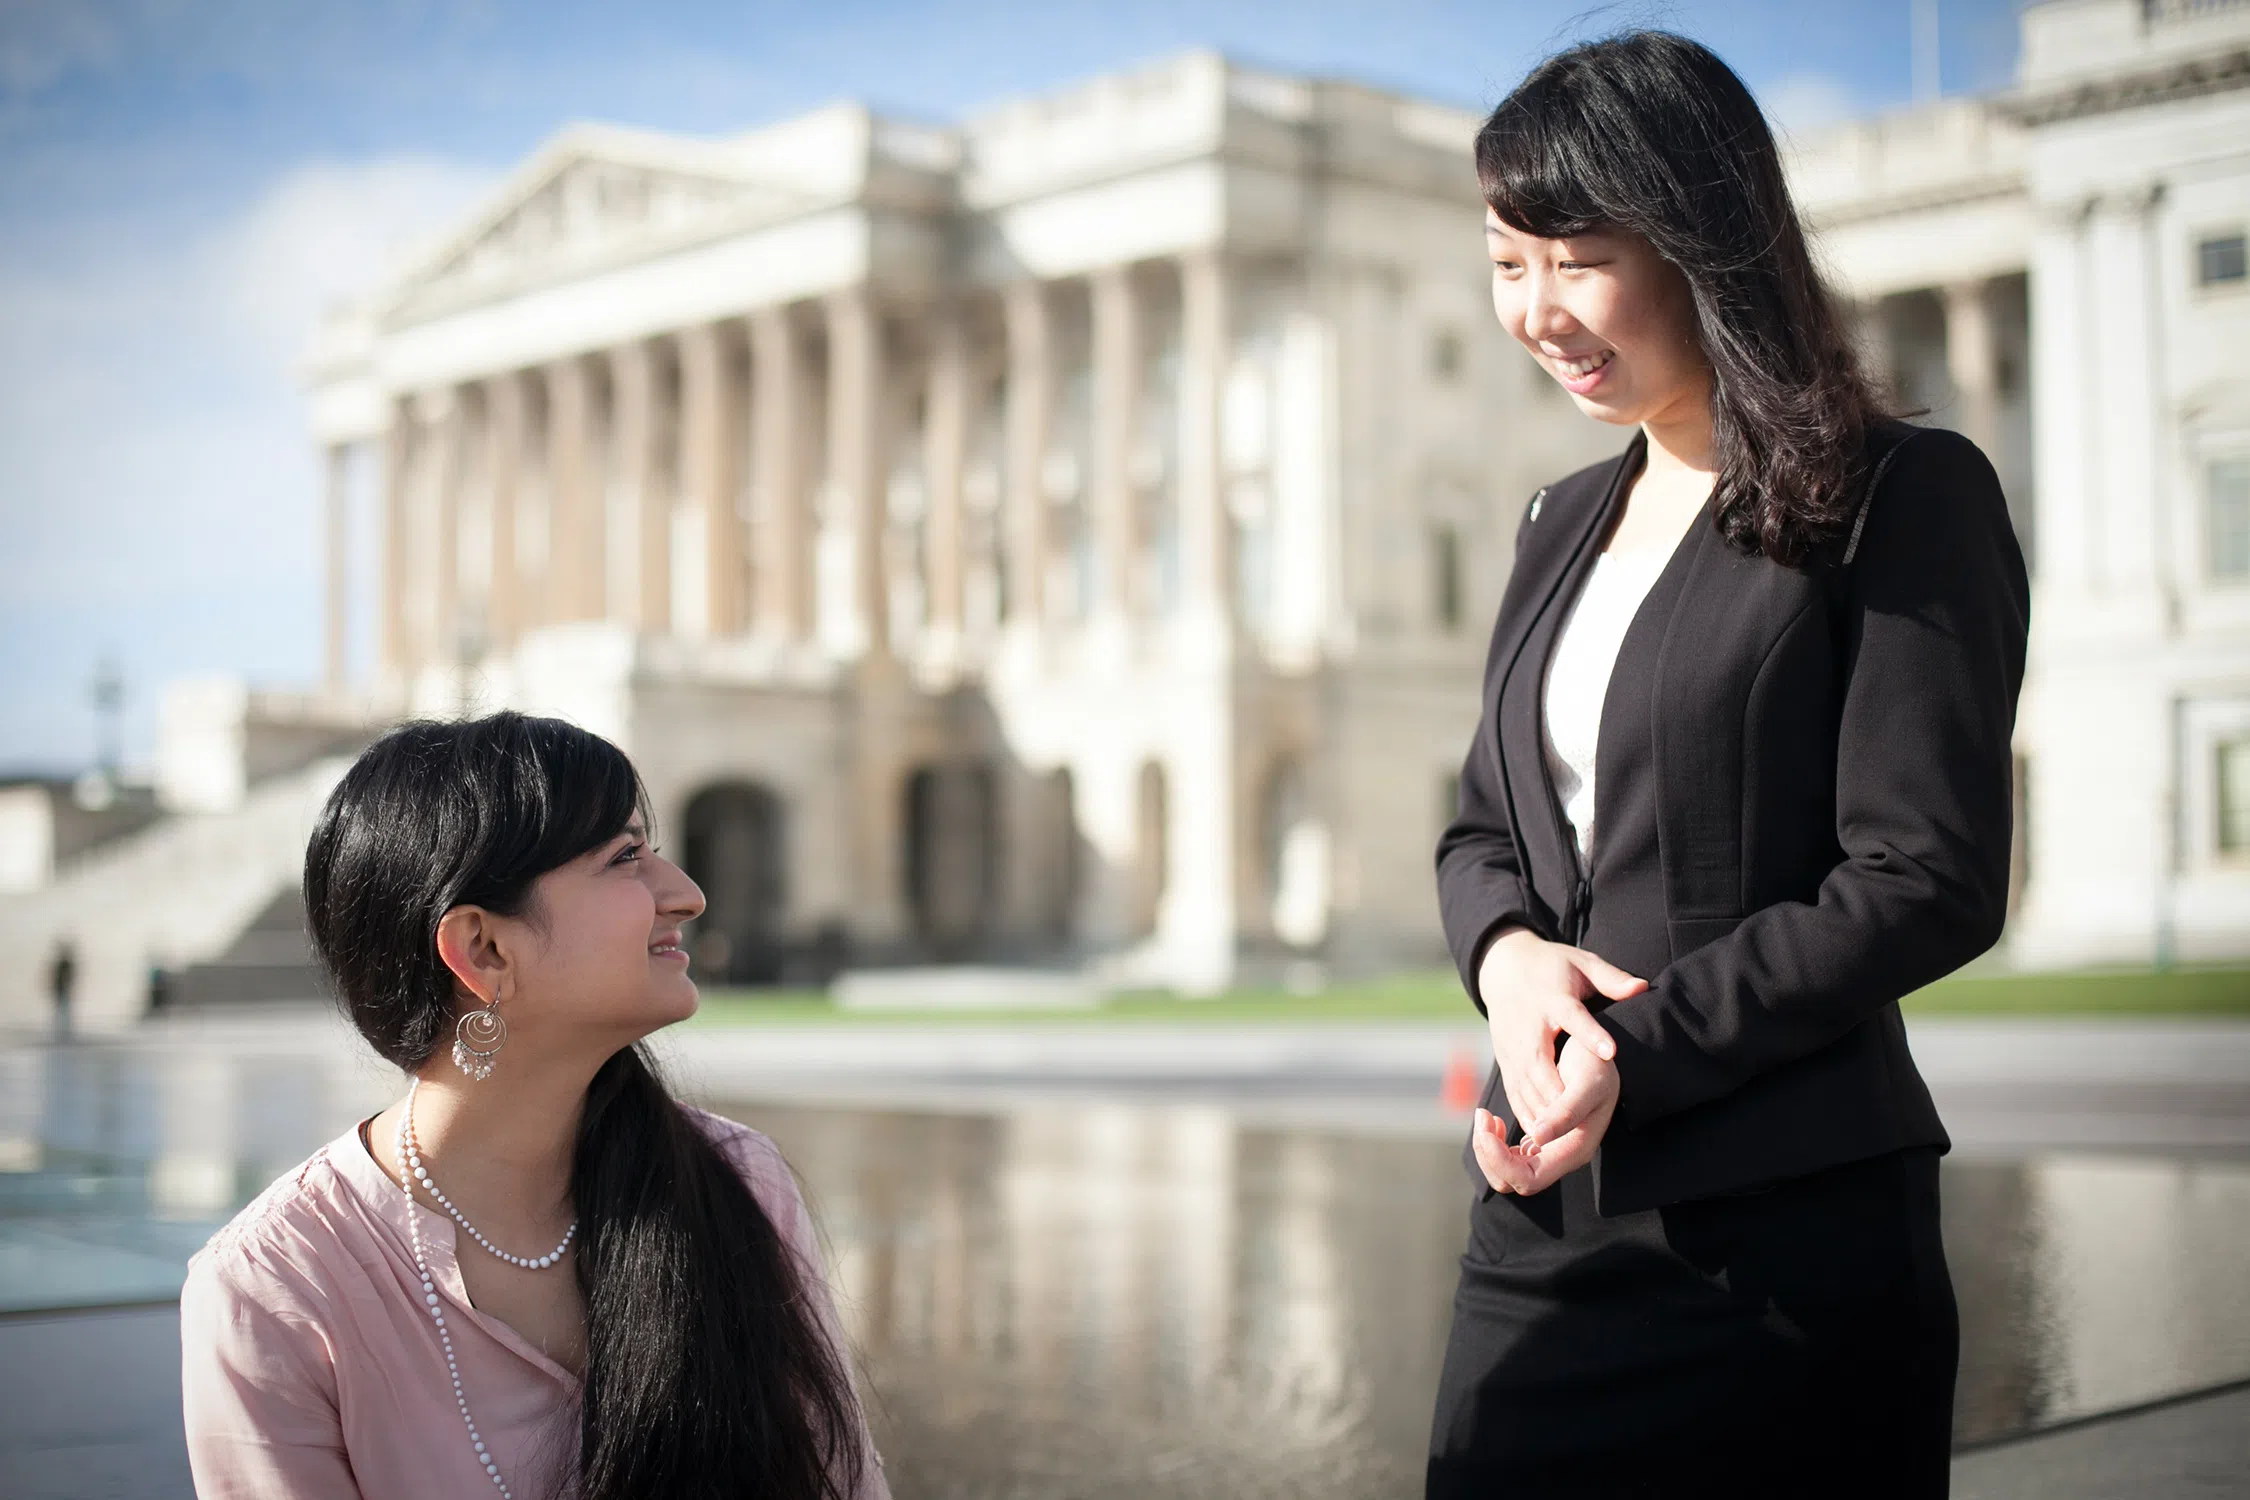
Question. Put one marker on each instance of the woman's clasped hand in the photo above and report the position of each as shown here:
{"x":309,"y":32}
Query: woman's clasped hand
{"x":1535,"y":993}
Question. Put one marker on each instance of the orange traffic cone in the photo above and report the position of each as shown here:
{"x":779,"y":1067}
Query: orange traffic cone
{"x":1458,"y":1091}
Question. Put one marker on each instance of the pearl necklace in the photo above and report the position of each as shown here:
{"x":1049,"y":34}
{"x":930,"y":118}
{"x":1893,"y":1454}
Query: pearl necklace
{"x":413,"y":1162}
{"x":437,"y":1312}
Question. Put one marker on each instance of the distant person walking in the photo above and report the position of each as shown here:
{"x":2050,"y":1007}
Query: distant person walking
{"x":62,"y":985}
{"x":537,"y":1273}
{"x":1742,"y":781}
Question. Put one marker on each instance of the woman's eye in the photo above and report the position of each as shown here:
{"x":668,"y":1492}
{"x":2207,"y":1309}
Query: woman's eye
{"x":630,"y":851}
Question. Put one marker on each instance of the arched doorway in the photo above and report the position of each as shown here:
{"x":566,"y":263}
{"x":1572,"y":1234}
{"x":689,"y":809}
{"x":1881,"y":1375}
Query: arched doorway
{"x":734,"y":850}
{"x":952,"y":856}
{"x":1059,"y":910}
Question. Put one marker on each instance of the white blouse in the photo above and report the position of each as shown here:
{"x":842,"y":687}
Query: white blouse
{"x":1578,"y":678}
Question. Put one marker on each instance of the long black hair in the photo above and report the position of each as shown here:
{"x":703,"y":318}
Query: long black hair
{"x":1651,"y":133}
{"x":707,"y":1372}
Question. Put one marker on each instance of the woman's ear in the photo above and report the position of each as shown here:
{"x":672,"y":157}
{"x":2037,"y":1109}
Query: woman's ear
{"x":469,"y":944}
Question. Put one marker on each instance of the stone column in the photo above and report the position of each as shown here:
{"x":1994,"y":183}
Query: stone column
{"x":1206,"y":569}
{"x":707,"y":470}
{"x":1972,"y":360}
{"x":574,"y":525}
{"x":945,"y":450}
{"x":636,"y":468}
{"x":339,"y":519}
{"x":856,"y":472}
{"x":1203,"y":817}
{"x":1029,"y":420}
{"x":1872,"y":328}
{"x":504,"y":427}
{"x":1117,"y":370}
{"x":781,"y":587}
{"x":2130,"y":475}
{"x":437,"y":487}
{"x":398,"y":570}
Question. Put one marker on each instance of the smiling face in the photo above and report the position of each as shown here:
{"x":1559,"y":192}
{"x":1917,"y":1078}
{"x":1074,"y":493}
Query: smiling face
{"x":595,"y":958}
{"x":1610,"y":319}
{"x":613,"y":954}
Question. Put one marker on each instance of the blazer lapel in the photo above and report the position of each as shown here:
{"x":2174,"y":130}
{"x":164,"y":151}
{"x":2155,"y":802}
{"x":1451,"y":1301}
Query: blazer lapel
{"x":1520,"y":709}
{"x":1698,"y":755}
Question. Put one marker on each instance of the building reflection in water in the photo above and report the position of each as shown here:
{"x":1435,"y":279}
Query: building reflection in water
{"x":1116,"y":1300}
{"x":1119,"y":1299}
{"x":2090,"y":1283}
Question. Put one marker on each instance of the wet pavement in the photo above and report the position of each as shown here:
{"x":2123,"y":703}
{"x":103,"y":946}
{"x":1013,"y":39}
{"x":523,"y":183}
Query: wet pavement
{"x":1120,"y":1288}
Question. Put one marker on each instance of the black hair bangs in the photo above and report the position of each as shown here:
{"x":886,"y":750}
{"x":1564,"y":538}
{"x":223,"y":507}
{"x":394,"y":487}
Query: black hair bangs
{"x":545,"y":792}
{"x":1535,"y":167}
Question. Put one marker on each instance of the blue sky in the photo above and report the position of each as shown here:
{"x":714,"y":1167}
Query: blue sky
{"x":185,"y":183}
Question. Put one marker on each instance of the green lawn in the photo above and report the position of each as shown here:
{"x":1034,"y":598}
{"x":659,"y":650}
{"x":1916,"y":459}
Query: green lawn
{"x":1434,"y":994}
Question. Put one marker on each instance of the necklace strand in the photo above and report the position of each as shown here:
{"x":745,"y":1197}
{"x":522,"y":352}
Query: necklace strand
{"x":430,"y":1301}
{"x":421,"y":1175}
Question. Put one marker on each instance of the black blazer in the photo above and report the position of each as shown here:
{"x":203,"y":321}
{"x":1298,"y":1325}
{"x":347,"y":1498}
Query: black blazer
{"x":1803,"y":788}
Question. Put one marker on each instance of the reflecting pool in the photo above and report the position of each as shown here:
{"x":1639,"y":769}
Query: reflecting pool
{"x":1135,"y":1299}
{"x":1116,"y":1300}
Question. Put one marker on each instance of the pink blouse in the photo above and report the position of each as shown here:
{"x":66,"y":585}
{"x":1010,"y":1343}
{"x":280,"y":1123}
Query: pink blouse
{"x":311,"y":1369}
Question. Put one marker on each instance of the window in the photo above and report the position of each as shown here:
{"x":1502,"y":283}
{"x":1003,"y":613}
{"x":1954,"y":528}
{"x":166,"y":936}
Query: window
{"x":2227,"y":519}
{"x":1445,"y":577}
{"x":2220,"y":261}
{"x":2234,"y":796}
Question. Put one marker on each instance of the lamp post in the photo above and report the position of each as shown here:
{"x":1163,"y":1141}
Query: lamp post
{"x":109,"y":704}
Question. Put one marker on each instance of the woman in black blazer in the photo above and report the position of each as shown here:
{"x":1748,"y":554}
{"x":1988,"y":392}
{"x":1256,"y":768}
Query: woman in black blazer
{"x":1704,"y":1256}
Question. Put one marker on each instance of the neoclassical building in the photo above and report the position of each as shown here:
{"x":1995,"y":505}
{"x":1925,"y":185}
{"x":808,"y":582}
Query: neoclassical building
{"x":1071,"y":534}
{"x":1067,"y":535}
{"x":2059,"y":272}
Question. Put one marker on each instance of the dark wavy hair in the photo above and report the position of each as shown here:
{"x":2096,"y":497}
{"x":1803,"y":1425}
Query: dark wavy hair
{"x":707,"y":1373}
{"x":1650,"y":133}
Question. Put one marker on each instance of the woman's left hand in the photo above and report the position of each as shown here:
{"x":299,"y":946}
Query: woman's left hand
{"x":1563,"y":1137}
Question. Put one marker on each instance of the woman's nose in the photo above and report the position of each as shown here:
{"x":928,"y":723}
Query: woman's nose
{"x":1544,"y":317}
{"x":678,"y":896}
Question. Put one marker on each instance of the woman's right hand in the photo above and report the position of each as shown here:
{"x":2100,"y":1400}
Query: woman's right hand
{"x":1535,"y":991}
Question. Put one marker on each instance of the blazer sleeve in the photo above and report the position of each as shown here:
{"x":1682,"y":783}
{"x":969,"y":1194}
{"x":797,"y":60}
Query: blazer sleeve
{"x":1480,"y":879}
{"x":1936,"y":612}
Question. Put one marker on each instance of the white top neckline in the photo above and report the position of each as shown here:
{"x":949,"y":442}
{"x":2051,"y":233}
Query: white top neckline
{"x":1578,"y":673}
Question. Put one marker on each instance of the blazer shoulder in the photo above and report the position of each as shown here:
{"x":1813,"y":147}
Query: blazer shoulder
{"x":1935,"y":479}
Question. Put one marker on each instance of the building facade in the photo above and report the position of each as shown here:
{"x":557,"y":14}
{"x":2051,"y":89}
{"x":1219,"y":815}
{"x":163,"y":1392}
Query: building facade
{"x":1068,"y":535}
{"x":1071,"y":535}
{"x":2059,"y":272}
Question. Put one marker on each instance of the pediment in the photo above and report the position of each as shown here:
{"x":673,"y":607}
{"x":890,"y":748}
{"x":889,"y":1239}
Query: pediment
{"x":588,"y":195}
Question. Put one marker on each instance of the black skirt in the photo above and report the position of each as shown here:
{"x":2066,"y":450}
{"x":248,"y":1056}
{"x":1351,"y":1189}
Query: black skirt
{"x":1798,"y":1340}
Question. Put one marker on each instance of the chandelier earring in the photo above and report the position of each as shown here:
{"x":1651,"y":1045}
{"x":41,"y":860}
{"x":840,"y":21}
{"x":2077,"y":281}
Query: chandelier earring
{"x":477,"y":1039}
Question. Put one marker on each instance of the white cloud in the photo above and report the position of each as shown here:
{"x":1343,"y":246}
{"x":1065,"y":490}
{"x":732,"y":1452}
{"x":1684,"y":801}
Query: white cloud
{"x":161,"y":495}
{"x":1806,"y":102}
{"x":331,"y":230}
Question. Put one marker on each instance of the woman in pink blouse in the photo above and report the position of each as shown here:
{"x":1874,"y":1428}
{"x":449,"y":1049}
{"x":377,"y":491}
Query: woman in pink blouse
{"x":537,"y":1274}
